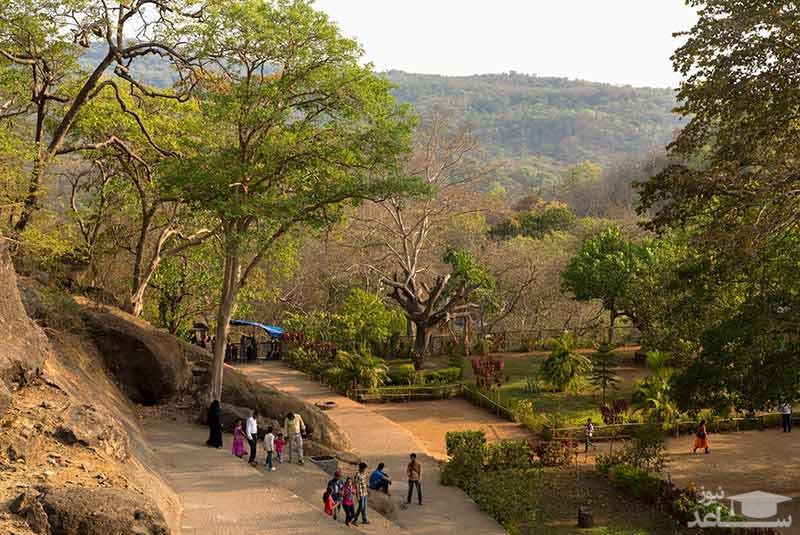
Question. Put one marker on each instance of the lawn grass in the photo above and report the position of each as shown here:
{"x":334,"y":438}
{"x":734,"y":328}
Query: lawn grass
{"x":559,"y":409}
{"x":615,"y":514}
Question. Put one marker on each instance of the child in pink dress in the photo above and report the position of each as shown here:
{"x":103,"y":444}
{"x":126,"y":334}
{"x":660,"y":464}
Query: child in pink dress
{"x":279,"y":443}
{"x":238,"y":440}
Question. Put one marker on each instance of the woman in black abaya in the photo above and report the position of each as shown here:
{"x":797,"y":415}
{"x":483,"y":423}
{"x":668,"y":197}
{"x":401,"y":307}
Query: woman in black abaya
{"x":214,"y":425}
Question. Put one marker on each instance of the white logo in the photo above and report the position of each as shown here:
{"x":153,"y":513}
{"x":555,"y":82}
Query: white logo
{"x":758,"y":505}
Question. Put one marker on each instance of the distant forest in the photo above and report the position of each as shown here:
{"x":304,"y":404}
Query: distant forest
{"x":540,"y":126}
{"x":537,"y":127}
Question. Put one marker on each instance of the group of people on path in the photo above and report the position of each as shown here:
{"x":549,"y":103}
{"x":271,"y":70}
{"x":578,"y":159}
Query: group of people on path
{"x":351,"y":494}
{"x":294,"y":428}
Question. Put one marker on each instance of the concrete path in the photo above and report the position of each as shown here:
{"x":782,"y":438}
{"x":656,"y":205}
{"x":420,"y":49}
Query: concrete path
{"x":377,"y":439}
{"x":223,"y":495}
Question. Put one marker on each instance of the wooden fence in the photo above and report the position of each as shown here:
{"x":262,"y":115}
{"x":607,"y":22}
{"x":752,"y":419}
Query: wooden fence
{"x":407,"y":393}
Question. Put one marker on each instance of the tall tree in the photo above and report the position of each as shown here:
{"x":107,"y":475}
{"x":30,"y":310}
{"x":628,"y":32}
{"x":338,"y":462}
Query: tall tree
{"x":604,"y":269}
{"x":297,"y":126}
{"x":40,"y":44}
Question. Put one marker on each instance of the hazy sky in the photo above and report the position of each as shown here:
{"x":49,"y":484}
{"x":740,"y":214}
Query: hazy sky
{"x":615,"y":41}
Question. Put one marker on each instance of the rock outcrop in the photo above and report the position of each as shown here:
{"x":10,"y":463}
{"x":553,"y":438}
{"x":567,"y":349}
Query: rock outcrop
{"x":23,"y":345}
{"x":149,"y":365}
{"x":82,"y":511}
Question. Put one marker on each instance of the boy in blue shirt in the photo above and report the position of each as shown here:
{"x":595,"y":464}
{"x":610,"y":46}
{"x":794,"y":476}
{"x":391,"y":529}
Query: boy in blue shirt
{"x":380,"y":480}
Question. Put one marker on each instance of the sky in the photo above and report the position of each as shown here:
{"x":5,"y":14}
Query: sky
{"x":624,"y":42}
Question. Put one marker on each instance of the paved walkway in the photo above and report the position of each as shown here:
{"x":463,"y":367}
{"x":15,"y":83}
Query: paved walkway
{"x":377,"y":439}
{"x":223,"y":495}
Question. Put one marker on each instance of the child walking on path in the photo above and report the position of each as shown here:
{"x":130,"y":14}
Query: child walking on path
{"x":588,"y":433}
{"x":348,"y":502}
{"x":238,"y":440}
{"x":269,"y":445}
{"x":279,"y":444}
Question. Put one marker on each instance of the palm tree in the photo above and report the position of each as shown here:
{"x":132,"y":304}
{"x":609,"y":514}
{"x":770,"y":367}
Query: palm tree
{"x":652,"y":394}
{"x":564,"y":368}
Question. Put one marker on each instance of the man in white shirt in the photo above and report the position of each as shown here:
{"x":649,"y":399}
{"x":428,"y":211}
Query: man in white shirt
{"x":251,"y":432}
{"x":294,"y":427}
{"x":786,"y":416}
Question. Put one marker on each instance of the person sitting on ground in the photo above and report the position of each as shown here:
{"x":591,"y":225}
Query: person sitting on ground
{"x":295,"y":427}
{"x":335,"y":485}
{"x":380,"y":480}
{"x":238,"y":439}
{"x":701,"y":438}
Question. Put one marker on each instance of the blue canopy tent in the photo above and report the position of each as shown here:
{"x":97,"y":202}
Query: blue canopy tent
{"x":271,"y":330}
{"x":250,"y":350}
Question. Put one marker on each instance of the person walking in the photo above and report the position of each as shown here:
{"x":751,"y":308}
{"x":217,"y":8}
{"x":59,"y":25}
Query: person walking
{"x":294,"y":428}
{"x":238,"y":440}
{"x":279,"y":443}
{"x":269,"y":445}
{"x":336,"y":485}
{"x":348,"y":502}
{"x":362,"y":491}
{"x":214,"y":425}
{"x":251,"y":432}
{"x":414,"y":472}
{"x":701,"y":438}
{"x":786,"y":416}
{"x":588,"y":433}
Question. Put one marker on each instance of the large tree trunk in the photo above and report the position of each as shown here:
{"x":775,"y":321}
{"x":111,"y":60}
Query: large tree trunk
{"x":421,"y":342}
{"x":230,"y":287}
{"x":612,"y":319}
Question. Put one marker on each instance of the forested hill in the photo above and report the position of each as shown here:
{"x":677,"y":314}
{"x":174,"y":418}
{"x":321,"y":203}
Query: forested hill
{"x":565,"y":121}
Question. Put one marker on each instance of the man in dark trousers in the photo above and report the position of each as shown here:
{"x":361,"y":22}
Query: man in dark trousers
{"x":414,"y":472}
{"x":251,"y":432}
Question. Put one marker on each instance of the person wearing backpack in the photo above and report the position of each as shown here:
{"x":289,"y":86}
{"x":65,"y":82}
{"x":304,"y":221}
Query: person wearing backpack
{"x":335,"y":487}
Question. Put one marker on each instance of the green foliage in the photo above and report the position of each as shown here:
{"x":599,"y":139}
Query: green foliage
{"x":405,"y":374}
{"x":464,"y":468}
{"x":653,"y":394}
{"x":510,"y":497}
{"x":604,"y":269}
{"x":356,"y":370}
{"x":564,"y":368}
{"x":508,"y":455}
{"x":637,"y":482}
{"x":444,"y":376}
{"x":536,"y":223}
{"x":645,"y":452}
{"x":465,"y":440}
{"x":555,"y":453}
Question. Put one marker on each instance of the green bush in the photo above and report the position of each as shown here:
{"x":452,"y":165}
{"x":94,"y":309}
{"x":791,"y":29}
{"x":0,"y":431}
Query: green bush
{"x":510,"y":497}
{"x":645,"y":452}
{"x":465,"y":440}
{"x":509,"y":455}
{"x":463,"y":469}
{"x":637,"y":482}
{"x":445,"y":376}
{"x":555,"y":453}
{"x":405,"y":374}
{"x":355,"y":370}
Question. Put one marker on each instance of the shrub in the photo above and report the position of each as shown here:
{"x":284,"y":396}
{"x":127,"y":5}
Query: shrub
{"x":614,"y":412}
{"x":637,"y":482}
{"x":488,"y":371}
{"x":481,"y":347}
{"x":646,"y":452}
{"x":529,"y":344}
{"x":405,"y":374}
{"x":509,"y":455}
{"x":510,"y":497}
{"x":353,"y":370}
{"x":444,"y":376}
{"x":463,"y":469}
{"x":564,"y":368}
{"x":555,"y":453}
{"x":465,"y":440}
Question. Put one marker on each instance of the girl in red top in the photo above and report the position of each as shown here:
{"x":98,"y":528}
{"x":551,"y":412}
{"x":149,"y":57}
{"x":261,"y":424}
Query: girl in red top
{"x":348,"y":497}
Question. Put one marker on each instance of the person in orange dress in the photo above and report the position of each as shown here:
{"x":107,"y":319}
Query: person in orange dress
{"x":701,"y":438}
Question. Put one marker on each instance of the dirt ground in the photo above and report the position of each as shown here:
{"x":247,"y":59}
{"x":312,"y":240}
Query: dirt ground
{"x":430,"y":420}
{"x":768,"y":461}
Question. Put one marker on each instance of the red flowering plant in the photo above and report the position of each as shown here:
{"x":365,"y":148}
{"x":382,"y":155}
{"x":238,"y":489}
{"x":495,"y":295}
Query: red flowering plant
{"x":488,"y":371}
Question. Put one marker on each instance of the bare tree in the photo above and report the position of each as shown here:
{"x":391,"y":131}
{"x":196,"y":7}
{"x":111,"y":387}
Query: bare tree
{"x":404,"y":230}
